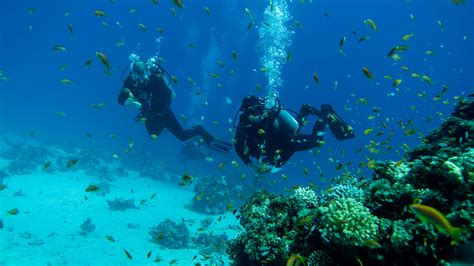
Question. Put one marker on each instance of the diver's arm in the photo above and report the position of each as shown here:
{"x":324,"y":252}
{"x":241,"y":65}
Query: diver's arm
{"x":126,"y":96}
{"x":123,"y":96}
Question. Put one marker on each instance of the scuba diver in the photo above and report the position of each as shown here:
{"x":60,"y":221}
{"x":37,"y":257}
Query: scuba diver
{"x":147,"y":88}
{"x":268,"y":133}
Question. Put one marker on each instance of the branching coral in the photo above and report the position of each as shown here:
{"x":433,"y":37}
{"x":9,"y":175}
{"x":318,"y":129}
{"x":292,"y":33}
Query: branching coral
{"x":346,"y":221}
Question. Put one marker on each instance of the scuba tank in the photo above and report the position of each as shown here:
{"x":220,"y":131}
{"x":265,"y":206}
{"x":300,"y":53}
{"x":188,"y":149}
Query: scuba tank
{"x":283,"y":121}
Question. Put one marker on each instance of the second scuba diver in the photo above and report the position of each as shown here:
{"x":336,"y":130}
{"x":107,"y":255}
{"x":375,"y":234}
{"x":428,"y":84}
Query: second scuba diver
{"x":268,"y":133}
{"x":148,"y":88}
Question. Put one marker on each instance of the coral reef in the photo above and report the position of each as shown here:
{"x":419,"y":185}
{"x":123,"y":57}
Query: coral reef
{"x":171,"y":235}
{"x":87,"y":227}
{"x":119,"y":204}
{"x":368,"y":220}
{"x":210,"y":243}
{"x":347,"y":222}
{"x":211,"y":195}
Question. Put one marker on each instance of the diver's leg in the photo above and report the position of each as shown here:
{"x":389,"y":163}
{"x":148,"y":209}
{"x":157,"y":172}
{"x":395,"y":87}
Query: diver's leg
{"x":154,"y":126}
{"x":176,"y":129}
{"x":305,"y":111}
{"x":340,"y":129}
{"x":304,"y":142}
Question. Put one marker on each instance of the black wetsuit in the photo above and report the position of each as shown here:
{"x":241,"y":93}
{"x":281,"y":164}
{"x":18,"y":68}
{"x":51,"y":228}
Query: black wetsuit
{"x":275,"y":146}
{"x":155,"y":98}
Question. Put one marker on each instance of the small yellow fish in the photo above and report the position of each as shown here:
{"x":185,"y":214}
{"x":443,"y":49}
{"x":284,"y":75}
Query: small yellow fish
{"x":441,"y":25}
{"x":63,"y":67}
{"x":92,"y":188}
{"x":430,"y":215}
{"x":249,"y":14}
{"x":59,"y":48}
{"x":99,"y":13}
{"x":396,"y":82}
{"x":13,"y":211}
{"x":363,"y":101}
{"x":305,"y":171}
{"x":174,"y":79}
{"x":215,"y":75}
{"x":367,"y":73}
{"x":250,"y":25}
{"x":363,"y":38}
{"x":31,"y":10}
{"x":105,"y":25}
{"x":371,"y":243}
{"x":110,"y":238}
{"x":220,"y":165}
{"x":66,"y":81}
{"x":371,"y":24}
{"x":295,"y":260}
{"x":63,"y":114}
{"x":261,"y":131}
{"x":341,"y":45}
{"x":142,"y":27}
{"x":179,"y":3}
{"x":69,"y":28}
{"x":316,"y":78}
{"x":409,"y":132}
{"x":185,"y":179}
{"x":427,"y":79}
{"x":129,"y":256}
{"x":407,"y":37}
{"x":234,"y":55}
{"x":368,"y":131}
{"x":103,"y":59}
{"x":97,"y":105}
{"x":220,"y":63}
{"x":71,"y":162}
{"x":298,"y":24}
{"x":371,"y":164}
{"x":207,"y":10}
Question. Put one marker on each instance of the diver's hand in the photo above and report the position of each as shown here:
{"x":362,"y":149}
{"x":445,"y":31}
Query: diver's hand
{"x":133,"y":101}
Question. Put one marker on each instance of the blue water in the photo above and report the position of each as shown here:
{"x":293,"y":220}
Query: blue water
{"x":32,"y":95}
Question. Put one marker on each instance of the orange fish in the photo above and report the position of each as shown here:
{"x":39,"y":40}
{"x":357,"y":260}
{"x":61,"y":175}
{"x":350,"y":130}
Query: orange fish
{"x":428,"y":214}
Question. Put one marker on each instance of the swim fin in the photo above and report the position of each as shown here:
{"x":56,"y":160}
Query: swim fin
{"x":213,"y":143}
{"x":220,"y":146}
{"x":340,"y":129}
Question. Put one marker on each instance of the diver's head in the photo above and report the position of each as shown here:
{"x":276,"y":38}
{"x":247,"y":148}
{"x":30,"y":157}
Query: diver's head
{"x":139,"y":71}
{"x":249,"y":101}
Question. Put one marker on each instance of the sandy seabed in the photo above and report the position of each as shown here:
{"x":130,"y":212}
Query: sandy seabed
{"x":52,"y":208}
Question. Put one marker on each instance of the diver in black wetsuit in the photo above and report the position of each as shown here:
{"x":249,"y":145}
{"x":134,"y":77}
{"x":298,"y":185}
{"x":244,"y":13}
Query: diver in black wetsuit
{"x":147,"y":88}
{"x":268,"y":133}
